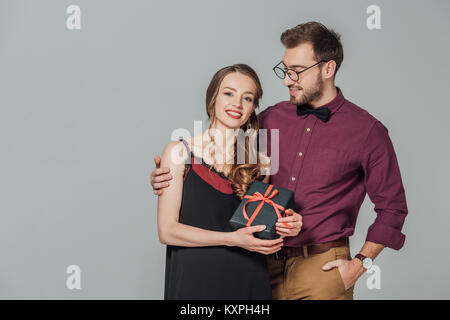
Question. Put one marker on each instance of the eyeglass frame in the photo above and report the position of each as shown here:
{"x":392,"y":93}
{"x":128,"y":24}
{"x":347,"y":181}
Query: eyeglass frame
{"x":297,"y":72}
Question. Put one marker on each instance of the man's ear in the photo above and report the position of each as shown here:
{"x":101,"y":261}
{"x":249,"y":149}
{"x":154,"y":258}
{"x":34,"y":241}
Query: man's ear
{"x":329,"y":70}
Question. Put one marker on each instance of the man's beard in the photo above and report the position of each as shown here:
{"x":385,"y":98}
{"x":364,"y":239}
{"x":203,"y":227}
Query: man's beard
{"x":310,"y":94}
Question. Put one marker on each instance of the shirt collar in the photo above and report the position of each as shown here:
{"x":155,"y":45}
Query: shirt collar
{"x":336,"y":103}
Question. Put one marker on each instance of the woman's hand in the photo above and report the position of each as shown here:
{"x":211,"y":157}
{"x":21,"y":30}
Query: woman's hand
{"x":244,"y":238}
{"x":294,"y":220}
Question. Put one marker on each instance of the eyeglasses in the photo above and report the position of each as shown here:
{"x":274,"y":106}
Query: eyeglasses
{"x":292,"y":74}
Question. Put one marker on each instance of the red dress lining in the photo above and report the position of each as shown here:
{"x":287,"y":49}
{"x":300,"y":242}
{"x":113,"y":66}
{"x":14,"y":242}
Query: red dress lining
{"x":210,"y":176}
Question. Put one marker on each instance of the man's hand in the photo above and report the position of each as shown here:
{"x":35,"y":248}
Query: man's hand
{"x":350,"y":270}
{"x":294,"y":221}
{"x":160,"y":177}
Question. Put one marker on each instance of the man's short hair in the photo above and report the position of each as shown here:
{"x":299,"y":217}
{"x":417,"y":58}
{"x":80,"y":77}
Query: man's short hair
{"x":326,"y":42}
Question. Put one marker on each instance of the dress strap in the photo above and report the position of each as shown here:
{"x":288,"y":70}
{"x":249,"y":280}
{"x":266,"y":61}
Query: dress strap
{"x":188,"y":161}
{"x":186,"y":145}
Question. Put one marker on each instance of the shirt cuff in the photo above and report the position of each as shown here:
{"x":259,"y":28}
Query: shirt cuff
{"x":386,"y":235}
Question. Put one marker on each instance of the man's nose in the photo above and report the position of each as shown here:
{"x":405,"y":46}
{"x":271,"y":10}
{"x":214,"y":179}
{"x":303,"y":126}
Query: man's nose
{"x":287,"y":81}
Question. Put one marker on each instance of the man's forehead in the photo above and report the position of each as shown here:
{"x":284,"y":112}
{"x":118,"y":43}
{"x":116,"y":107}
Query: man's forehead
{"x":300,"y":56}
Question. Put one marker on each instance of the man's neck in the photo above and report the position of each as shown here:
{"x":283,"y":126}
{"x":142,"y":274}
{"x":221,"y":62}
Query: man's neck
{"x":329,"y":93}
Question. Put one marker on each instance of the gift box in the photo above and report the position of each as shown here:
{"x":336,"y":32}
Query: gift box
{"x":263,"y":205}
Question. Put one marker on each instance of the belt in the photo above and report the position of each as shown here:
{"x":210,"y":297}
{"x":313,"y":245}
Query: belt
{"x":290,"y":252}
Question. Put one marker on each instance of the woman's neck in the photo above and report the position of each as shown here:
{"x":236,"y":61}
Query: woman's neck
{"x":223,"y":139}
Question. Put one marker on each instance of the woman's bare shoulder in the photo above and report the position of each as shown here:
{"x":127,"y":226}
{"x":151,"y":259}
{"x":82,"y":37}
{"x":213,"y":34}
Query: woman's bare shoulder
{"x":174,"y":155}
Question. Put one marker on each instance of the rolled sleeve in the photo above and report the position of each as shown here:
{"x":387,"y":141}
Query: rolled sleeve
{"x":385,"y":188}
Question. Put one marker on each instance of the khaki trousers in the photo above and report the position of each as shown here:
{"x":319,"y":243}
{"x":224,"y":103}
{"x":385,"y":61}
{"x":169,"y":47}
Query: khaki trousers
{"x":303,"y":278}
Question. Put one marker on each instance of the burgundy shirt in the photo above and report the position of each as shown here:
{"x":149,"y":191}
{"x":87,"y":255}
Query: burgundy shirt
{"x":331,"y":166}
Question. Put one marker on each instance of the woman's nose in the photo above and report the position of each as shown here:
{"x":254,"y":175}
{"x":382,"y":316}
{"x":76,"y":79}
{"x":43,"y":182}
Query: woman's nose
{"x":237,"y":102}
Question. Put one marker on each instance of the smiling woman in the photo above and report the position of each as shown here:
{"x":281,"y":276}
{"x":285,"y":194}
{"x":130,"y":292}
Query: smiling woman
{"x":231,"y":100}
{"x":205,"y":258}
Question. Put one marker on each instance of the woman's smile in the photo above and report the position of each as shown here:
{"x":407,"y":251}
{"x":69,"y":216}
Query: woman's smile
{"x":233,"y":113}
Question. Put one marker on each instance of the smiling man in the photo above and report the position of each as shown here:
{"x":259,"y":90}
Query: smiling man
{"x":332,"y":153}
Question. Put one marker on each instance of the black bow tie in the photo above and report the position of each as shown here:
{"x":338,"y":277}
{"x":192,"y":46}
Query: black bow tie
{"x":323,"y":113}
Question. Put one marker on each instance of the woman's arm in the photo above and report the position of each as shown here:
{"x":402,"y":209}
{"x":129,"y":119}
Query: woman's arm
{"x":174,"y":233}
{"x":169,"y":229}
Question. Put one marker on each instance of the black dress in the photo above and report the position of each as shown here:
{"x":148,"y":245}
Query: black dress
{"x":215,"y":272}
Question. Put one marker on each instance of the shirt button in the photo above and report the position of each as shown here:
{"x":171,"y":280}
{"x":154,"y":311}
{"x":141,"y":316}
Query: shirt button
{"x":300,"y":154}
{"x":308,"y":129}
{"x":293,"y":178}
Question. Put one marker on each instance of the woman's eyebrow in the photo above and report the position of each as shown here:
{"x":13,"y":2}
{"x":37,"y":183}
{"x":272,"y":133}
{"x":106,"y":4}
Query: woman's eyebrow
{"x":233,"y":89}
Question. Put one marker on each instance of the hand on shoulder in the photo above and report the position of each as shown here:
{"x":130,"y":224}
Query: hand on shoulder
{"x":174,"y":156}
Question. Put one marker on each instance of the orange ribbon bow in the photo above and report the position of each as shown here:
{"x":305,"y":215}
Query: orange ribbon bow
{"x":263,"y":198}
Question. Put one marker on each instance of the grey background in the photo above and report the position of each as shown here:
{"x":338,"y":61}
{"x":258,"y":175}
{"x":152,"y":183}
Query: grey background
{"x":83,"y":112}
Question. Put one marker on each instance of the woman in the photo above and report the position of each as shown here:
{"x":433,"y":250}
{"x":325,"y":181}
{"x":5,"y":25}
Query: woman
{"x":205,"y":258}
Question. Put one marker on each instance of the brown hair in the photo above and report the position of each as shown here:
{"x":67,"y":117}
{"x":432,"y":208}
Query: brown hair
{"x":326,"y":42}
{"x":240,"y":175}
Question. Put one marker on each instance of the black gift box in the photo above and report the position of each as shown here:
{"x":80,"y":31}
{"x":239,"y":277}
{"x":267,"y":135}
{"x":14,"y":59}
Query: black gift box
{"x":266,"y":215}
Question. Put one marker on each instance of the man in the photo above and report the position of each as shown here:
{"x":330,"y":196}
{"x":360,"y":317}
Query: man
{"x":332,"y":153}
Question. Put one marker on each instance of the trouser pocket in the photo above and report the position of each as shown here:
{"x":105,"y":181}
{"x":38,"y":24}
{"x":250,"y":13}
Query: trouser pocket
{"x":342,"y":253}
